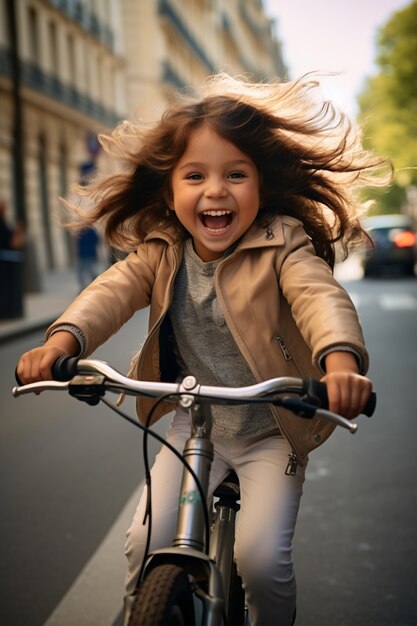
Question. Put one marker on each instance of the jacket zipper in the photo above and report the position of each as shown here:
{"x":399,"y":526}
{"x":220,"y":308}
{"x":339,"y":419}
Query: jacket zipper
{"x":285,"y":352}
{"x":291,"y":468}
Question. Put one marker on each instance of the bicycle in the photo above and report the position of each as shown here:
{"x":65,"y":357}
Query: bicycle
{"x":198,"y":571}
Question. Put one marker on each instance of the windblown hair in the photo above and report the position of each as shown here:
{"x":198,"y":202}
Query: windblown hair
{"x":309,"y":156}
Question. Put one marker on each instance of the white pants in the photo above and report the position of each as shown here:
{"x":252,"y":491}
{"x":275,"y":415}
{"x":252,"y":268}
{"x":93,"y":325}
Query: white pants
{"x":266,"y":520}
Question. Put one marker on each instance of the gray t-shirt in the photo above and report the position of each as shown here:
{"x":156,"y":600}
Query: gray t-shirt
{"x":206,"y":349}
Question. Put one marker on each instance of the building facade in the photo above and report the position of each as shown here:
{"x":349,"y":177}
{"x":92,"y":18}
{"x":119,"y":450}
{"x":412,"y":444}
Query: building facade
{"x":175,"y":44}
{"x":70,"y":69}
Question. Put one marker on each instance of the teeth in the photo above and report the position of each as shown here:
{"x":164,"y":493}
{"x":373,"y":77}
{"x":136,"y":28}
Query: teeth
{"x":216,"y":213}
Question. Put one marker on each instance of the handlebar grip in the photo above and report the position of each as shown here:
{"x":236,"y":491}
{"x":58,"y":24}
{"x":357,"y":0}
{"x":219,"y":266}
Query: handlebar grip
{"x":317,"y":391}
{"x":64,"y":368}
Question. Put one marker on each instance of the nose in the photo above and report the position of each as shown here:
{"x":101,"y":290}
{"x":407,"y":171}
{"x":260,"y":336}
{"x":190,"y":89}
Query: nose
{"x":215,"y":187}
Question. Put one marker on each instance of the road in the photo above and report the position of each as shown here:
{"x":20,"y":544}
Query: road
{"x":70,"y":473}
{"x":356,"y":543}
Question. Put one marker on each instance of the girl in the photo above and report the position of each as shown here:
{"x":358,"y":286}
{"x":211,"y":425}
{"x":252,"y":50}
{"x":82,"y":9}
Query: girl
{"x":230,"y":207}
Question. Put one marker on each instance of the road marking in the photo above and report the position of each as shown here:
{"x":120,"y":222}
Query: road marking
{"x":96,"y":596}
{"x":398,"y":302}
{"x":388,"y":302}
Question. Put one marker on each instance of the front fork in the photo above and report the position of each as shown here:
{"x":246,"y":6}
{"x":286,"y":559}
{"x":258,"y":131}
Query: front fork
{"x":204,"y":575}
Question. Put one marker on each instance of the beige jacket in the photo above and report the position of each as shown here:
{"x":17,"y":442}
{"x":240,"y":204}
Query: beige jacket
{"x":280,"y":301}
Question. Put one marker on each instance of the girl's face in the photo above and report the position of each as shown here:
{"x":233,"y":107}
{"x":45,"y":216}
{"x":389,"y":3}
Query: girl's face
{"x":215,"y":192}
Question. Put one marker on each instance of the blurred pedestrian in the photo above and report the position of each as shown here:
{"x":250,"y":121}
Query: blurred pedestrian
{"x":87,"y":256}
{"x":88,"y":240}
{"x":12,"y":243}
{"x":5,"y":230}
{"x":10,"y":238}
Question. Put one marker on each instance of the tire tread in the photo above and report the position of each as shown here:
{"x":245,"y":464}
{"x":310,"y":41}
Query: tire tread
{"x":162,"y":589}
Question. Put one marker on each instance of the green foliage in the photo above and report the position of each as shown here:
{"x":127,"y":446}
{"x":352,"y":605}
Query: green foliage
{"x":385,"y":201}
{"x":388,"y":104}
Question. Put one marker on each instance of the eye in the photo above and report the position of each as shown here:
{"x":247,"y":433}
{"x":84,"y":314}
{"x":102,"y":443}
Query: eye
{"x":194,"y":176}
{"x":237,"y":175}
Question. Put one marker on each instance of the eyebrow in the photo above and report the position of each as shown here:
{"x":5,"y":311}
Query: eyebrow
{"x":228,"y":164}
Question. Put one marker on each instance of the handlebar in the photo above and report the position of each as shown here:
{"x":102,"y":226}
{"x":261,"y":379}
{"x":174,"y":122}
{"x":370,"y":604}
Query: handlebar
{"x":89,"y":379}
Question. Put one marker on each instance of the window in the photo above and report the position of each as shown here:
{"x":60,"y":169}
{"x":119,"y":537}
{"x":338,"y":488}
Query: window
{"x":87,"y":67}
{"x":44,"y":201}
{"x":71,"y":58}
{"x":33,"y":34}
{"x":53,"y":48}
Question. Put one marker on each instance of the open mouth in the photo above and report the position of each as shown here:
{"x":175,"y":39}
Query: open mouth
{"x":216,"y":220}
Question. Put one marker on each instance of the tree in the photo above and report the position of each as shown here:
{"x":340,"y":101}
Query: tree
{"x":388,"y":104}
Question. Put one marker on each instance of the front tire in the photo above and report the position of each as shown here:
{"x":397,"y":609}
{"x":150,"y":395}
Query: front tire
{"x":164,"y":599}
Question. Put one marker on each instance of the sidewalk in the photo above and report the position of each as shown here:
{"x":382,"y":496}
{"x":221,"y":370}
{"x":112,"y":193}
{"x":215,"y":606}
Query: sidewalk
{"x":41,"y":309}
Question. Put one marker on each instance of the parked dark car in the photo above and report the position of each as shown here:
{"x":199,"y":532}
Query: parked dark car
{"x":395,"y":243}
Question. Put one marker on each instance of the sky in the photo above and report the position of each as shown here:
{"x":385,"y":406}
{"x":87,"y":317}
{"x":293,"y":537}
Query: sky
{"x":332,"y":36}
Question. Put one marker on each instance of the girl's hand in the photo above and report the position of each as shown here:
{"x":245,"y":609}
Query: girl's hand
{"x":347,"y":390}
{"x":36,"y":364}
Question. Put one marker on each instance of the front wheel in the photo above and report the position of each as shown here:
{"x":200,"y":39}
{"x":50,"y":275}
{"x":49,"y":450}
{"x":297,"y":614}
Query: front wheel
{"x":164,"y":599}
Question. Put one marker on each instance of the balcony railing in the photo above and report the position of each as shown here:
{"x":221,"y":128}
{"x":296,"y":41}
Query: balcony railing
{"x":51,"y":86}
{"x":79,"y":12}
{"x":166,"y":9}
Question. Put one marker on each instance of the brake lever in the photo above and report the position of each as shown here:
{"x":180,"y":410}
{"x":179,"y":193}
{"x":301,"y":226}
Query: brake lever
{"x":43,"y":385}
{"x":308,"y":411}
{"x":337,"y":419}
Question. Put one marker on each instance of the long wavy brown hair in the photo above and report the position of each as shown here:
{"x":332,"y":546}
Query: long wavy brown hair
{"x":309,"y":155}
